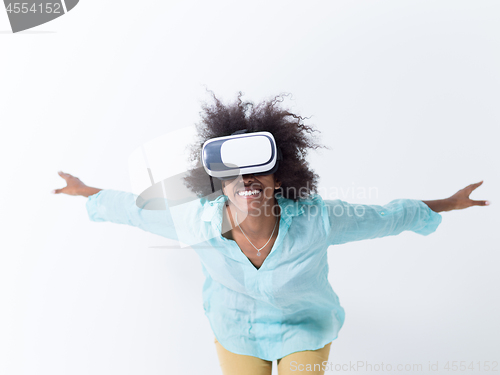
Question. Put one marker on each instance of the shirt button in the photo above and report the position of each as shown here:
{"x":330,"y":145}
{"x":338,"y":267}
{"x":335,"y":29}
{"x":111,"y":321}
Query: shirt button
{"x":382,"y":213}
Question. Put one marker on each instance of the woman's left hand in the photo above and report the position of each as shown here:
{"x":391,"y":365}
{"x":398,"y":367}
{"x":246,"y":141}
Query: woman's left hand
{"x":461,"y":198}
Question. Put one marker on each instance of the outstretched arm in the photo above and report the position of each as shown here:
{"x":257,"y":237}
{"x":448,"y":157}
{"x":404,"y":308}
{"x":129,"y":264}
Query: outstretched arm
{"x":355,"y":222}
{"x":120,"y":207}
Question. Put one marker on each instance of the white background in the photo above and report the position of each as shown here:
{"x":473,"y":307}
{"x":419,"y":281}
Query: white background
{"x":405,"y":93}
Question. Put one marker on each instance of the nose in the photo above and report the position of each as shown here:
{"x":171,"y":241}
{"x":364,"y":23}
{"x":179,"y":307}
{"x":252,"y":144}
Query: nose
{"x":248,"y":177}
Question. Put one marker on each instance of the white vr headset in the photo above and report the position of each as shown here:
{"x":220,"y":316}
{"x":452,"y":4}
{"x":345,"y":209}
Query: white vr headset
{"x":241,"y":153}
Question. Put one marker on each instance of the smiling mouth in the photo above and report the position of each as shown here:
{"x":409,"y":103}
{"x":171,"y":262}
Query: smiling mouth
{"x":248,"y":193}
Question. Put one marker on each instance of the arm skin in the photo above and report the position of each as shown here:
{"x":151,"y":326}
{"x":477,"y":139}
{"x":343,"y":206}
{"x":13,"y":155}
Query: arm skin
{"x":87,"y":191}
{"x":440,"y":205}
{"x":457,"y":201}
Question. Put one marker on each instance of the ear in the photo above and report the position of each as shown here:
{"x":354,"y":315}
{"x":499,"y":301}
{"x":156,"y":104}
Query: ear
{"x":277,"y":184}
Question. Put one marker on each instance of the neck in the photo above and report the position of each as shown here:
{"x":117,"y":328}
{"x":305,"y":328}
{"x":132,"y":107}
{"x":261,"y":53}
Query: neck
{"x":256,"y":225}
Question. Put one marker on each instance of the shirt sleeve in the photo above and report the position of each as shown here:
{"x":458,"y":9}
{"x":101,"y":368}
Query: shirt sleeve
{"x":121,"y":207}
{"x":355,"y":222}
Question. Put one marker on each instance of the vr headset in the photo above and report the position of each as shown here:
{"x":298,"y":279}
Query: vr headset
{"x":225,"y":158}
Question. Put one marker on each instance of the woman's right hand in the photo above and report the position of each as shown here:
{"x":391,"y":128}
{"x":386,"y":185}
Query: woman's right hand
{"x":74,"y":186}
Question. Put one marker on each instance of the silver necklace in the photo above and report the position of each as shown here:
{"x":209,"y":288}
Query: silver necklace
{"x":258,"y":250}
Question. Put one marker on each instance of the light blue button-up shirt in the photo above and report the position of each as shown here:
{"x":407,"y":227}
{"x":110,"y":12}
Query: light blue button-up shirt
{"x":287,"y":305}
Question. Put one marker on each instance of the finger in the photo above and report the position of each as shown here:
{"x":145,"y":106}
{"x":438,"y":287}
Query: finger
{"x":56,"y":191}
{"x":469,"y":189}
{"x":476,"y":185}
{"x":64,"y":175}
{"x":480,"y":203}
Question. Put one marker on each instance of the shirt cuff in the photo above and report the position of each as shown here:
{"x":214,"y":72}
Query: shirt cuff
{"x":429,"y":220}
{"x":94,"y":209}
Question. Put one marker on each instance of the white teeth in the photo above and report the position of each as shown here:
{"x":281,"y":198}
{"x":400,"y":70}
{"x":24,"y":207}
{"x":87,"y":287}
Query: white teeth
{"x":246,"y":193}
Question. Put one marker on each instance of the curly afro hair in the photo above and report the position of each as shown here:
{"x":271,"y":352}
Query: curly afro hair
{"x":298,"y":180}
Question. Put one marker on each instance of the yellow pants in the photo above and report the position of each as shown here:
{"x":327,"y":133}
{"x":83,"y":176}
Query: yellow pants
{"x":305,"y":362}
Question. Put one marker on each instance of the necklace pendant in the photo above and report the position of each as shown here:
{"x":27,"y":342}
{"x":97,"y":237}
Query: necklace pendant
{"x":258,"y":254}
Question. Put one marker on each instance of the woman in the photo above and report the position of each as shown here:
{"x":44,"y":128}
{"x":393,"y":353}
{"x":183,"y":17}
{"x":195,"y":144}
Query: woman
{"x":263,"y":242}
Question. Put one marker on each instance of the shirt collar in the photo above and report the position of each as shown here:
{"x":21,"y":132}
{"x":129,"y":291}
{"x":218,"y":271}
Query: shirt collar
{"x":289,"y":208}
